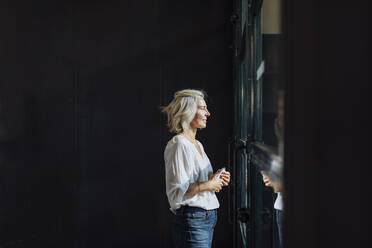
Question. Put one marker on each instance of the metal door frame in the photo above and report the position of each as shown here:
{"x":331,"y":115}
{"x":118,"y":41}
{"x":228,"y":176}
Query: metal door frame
{"x":245,"y":208}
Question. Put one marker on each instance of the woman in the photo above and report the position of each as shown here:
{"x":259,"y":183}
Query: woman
{"x":190,"y":182}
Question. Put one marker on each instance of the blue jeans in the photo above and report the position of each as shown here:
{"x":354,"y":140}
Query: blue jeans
{"x":279,"y":220}
{"x":193,"y":227}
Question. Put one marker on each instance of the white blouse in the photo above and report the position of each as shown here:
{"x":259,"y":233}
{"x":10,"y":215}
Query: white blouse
{"x":279,"y":202}
{"x":184,"y":165}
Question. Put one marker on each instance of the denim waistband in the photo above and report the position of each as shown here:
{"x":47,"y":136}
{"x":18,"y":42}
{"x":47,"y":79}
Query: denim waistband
{"x":183,"y":209}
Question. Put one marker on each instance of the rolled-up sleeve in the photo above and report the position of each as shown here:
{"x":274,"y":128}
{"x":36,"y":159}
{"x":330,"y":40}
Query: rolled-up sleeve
{"x":178,"y":173}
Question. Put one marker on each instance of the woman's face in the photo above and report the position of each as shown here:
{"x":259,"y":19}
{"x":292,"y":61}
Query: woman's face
{"x":202,"y":113}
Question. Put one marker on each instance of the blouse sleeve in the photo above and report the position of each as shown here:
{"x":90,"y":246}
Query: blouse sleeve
{"x":178,"y":173}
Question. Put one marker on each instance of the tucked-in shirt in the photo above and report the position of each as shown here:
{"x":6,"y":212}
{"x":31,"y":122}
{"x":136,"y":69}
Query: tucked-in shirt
{"x":184,"y":165}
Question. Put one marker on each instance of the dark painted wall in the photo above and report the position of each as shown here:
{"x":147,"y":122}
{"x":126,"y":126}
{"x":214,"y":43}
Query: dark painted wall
{"x":327,"y":124}
{"x":81,"y":134}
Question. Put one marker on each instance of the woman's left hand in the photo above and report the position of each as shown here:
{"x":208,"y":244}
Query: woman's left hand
{"x":225,"y":176}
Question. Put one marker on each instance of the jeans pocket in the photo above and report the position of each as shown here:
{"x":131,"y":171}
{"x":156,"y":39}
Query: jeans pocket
{"x":195,"y":216}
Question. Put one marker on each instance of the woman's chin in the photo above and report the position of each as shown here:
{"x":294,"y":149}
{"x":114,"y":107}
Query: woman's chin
{"x":201,"y":126}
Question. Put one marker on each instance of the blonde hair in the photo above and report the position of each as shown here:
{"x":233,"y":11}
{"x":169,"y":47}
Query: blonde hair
{"x":181,"y":110}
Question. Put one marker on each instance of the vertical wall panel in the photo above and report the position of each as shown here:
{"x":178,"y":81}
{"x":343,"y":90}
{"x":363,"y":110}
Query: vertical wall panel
{"x":81,"y":134}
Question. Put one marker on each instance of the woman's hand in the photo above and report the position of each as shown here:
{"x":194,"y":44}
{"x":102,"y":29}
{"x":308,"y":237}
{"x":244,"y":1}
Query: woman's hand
{"x":277,"y":186}
{"x":266,"y":180}
{"x":225,"y":176}
{"x":215,"y":183}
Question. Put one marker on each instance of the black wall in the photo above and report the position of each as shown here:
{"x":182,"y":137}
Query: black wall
{"x":81,"y":134}
{"x":327,"y":124}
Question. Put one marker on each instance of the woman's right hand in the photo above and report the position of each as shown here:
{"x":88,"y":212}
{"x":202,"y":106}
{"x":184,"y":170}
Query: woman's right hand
{"x":215,"y":182}
{"x":277,"y":186}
